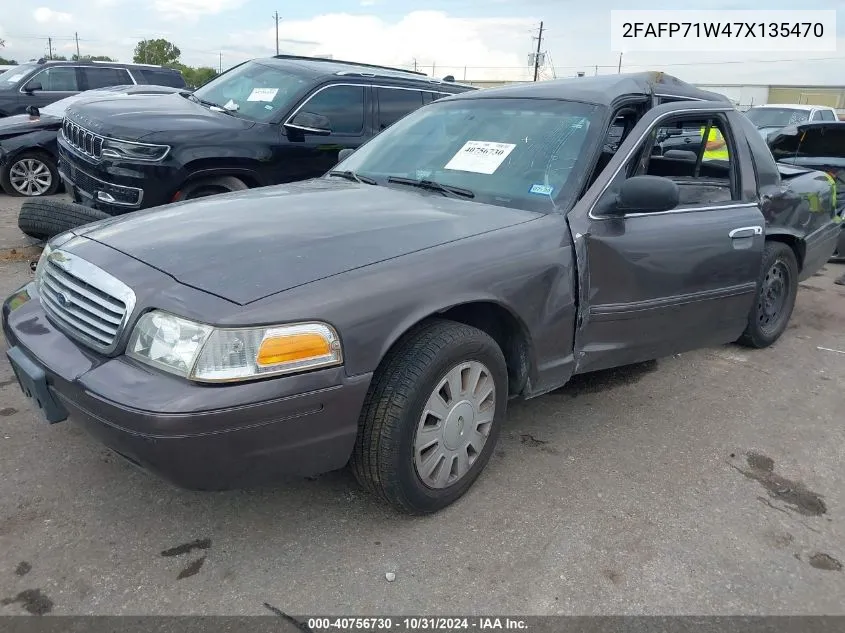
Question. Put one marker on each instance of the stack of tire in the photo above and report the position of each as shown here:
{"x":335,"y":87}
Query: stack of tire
{"x":43,"y":218}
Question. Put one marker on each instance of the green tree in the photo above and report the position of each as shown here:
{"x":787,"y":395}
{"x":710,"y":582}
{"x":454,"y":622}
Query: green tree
{"x":158,"y":51}
{"x":195,"y":77}
{"x":92,"y":58}
{"x":61,"y":58}
{"x":7,"y":62}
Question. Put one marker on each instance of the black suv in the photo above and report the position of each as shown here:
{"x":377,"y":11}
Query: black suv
{"x":263,"y":122}
{"x":44,"y":82}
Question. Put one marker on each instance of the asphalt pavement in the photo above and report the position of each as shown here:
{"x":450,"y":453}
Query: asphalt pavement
{"x":708,"y":483}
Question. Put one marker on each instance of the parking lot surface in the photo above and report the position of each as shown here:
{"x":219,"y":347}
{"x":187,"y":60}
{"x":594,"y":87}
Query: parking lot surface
{"x":711,"y":482}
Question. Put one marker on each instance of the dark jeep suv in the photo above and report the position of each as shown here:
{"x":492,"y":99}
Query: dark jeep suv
{"x":44,"y":82}
{"x":263,"y":122}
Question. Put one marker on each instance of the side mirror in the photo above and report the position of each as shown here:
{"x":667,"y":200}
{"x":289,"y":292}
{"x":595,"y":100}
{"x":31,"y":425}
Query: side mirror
{"x":343,"y":154}
{"x":311,"y":123}
{"x":32,"y":86}
{"x":32,"y":111}
{"x":647,"y":194}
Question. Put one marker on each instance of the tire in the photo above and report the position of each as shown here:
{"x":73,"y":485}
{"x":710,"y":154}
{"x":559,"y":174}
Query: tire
{"x":780,"y":270}
{"x":37,"y":163}
{"x":211,"y":187}
{"x":385,"y":460}
{"x":43,"y":219}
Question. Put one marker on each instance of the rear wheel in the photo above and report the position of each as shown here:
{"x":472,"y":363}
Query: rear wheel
{"x":777,"y":289}
{"x":211,"y":187}
{"x":31,"y":174}
{"x":432,"y":417}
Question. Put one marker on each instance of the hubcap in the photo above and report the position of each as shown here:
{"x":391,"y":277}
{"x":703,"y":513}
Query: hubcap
{"x":455,"y":424}
{"x":30,"y":177}
{"x":773,"y":296}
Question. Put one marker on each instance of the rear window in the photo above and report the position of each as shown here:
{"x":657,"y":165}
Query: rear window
{"x":14,"y":75}
{"x":159,"y":77}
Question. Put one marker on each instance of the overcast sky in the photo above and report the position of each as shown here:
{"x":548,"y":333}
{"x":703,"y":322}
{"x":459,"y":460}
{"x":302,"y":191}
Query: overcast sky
{"x":490,"y":38}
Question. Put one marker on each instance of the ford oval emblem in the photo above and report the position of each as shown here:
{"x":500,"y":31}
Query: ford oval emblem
{"x":62,"y":299}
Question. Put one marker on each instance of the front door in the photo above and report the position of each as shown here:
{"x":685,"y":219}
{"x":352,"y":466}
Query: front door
{"x":57,"y":82}
{"x":658,"y":283}
{"x":347,"y":108}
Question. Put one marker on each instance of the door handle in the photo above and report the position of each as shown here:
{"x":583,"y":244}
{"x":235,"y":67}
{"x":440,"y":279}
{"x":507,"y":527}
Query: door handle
{"x":745,"y":231}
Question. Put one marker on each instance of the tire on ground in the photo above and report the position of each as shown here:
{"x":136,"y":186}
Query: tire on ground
{"x":758,"y":335}
{"x":212,"y":186}
{"x":383,"y":459}
{"x":43,"y":218}
{"x":49,"y":161}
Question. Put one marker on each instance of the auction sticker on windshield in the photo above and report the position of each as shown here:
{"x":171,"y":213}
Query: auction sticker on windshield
{"x":480,"y":157}
{"x":262,"y":94}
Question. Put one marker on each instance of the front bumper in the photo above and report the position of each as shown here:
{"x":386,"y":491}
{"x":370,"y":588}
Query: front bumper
{"x":196,"y":436}
{"x":116,"y":187}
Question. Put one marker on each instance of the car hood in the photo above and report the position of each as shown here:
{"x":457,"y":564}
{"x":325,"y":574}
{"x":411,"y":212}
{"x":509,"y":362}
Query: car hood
{"x":247,"y":245}
{"x":19,"y":124}
{"x":137,"y":117}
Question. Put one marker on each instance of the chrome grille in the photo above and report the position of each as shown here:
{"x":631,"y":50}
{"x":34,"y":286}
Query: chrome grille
{"x":84,"y":301}
{"x":81,"y":139}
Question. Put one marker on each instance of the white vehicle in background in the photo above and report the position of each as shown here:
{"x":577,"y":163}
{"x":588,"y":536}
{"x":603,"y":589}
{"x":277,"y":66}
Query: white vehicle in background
{"x":774,"y":116}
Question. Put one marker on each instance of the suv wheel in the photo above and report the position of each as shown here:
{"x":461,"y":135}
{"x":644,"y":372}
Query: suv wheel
{"x":211,"y":187}
{"x":432,"y":417}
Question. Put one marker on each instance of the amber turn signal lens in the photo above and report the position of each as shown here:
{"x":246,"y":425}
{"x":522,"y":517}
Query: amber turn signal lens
{"x":291,"y":348}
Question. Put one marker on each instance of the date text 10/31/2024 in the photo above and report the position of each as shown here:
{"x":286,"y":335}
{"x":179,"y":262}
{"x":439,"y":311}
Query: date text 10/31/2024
{"x":416,"y":624}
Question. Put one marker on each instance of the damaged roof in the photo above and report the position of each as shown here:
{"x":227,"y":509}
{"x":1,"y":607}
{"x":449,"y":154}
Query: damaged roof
{"x":601,"y":89}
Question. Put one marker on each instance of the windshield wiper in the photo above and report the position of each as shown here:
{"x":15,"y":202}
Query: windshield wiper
{"x":431,"y":185}
{"x":351,"y":175}
{"x":210,"y":104}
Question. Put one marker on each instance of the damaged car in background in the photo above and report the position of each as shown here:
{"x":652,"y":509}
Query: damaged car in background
{"x":488,"y":246}
{"x":818,"y":146}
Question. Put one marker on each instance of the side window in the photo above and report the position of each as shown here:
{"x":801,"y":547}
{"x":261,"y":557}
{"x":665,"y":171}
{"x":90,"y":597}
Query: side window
{"x":159,"y":77}
{"x":393,"y":104}
{"x":697,"y":154}
{"x":57,"y":79}
{"x":342,"y":105}
{"x":105,"y":77}
{"x":816,"y":115}
{"x":828,"y":115}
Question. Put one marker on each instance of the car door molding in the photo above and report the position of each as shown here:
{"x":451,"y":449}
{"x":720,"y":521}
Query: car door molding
{"x":636,"y":146}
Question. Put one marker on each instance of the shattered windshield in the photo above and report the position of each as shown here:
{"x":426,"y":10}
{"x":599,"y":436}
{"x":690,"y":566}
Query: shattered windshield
{"x":776,"y":117}
{"x":523,"y":153}
{"x":252,"y":90}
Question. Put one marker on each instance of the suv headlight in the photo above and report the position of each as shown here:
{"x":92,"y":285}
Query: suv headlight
{"x":205,"y":353}
{"x":39,"y":268}
{"x":134,"y":151}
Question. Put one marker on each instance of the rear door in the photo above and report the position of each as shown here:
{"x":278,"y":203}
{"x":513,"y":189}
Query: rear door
{"x":394,"y":103}
{"x":655,"y":284}
{"x":104,"y":77}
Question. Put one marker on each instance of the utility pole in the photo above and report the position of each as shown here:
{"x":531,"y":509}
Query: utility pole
{"x":49,"y":48}
{"x":415,"y":64}
{"x":619,"y":68}
{"x":276,"y":18}
{"x":76,"y":37}
{"x":537,"y":55}
{"x":220,"y":65}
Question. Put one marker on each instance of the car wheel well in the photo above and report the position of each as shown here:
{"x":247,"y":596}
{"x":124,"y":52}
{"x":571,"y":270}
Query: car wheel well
{"x":249,"y":180}
{"x":502,"y":326}
{"x":792,"y":242}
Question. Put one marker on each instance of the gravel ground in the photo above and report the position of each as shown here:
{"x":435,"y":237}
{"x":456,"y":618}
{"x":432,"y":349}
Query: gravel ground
{"x":710,"y":483}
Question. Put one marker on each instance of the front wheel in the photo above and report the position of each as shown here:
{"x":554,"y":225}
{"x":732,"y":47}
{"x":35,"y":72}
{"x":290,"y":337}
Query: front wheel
{"x":211,"y":187}
{"x":432,"y":417}
{"x":31,"y":175}
{"x":777,"y":289}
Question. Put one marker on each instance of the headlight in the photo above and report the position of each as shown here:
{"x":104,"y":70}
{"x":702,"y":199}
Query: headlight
{"x":134,"y":151}
{"x":207,"y":354}
{"x":39,"y":268}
